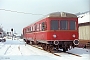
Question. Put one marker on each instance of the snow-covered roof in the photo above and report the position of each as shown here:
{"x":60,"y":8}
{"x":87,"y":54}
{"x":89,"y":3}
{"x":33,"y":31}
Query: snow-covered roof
{"x":83,"y":18}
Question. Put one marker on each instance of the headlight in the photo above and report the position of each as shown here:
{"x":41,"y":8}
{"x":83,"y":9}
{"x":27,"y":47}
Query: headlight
{"x":73,"y":35}
{"x":54,"y":36}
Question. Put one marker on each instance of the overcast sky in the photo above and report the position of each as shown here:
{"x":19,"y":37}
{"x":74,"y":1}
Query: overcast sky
{"x":19,"y":20}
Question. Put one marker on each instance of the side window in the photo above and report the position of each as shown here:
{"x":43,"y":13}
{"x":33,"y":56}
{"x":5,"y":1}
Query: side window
{"x":40,"y":28}
{"x":35,"y":27}
{"x":63,"y":25}
{"x":30,"y":29}
{"x":72,"y":25}
{"x":43,"y":26}
{"x":27,"y":30}
{"x":24,"y":31}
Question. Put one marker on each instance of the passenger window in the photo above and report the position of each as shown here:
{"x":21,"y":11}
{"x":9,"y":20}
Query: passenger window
{"x":30,"y":29}
{"x":35,"y":27}
{"x":63,"y":25}
{"x":24,"y":30}
{"x":43,"y":26}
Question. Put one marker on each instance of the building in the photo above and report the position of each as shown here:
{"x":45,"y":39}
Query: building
{"x":84,"y":31}
{"x":84,"y":28}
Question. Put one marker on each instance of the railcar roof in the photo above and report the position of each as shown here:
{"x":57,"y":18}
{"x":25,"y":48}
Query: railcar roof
{"x":60,"y":14}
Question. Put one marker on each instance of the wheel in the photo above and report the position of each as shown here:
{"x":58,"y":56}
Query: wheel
{"x":27,"y":42}
{"x":51,"y":48}
{"x":30,"y":43}
{"x":43,"y":46}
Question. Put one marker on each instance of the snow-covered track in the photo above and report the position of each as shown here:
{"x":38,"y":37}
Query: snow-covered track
{"x":58,"y":53}
{"x":73,"y":54}
{"x":7,"y":50}
{"x":44,"y":50}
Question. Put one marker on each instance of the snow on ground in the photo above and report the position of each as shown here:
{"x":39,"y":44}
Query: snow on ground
{"x":16,"y":50}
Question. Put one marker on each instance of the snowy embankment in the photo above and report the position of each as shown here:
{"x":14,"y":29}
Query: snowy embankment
{"x":16,"y":50}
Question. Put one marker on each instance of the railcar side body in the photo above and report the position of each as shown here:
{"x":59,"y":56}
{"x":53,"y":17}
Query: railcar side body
{"x":57,"y":29}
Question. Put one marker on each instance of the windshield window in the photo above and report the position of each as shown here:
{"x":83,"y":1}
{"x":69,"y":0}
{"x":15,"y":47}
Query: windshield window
{"x":54,"y":25}
{"x":72,"y":25}
{"x":63,"y":25}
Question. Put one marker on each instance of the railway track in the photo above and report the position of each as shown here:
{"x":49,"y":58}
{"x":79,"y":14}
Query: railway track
{"x":7,"y":49}
{"x":56,"y":54}
{"x":74,"y":54}
{"x":44,"y":50}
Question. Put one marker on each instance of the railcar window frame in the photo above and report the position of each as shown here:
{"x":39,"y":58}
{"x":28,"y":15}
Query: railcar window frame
{"x":31,"y":29}
{"x":37,"y":27}
{"x":40,"y":28}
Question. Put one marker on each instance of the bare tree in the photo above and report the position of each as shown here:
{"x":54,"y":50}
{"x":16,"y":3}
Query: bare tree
{"x":2,"y":32}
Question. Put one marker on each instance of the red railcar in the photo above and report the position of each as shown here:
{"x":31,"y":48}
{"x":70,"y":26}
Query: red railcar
{"x":58,"y":30}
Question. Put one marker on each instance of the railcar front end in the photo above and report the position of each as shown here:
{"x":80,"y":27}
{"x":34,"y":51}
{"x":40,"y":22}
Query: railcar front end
{"x":62,"y":32}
